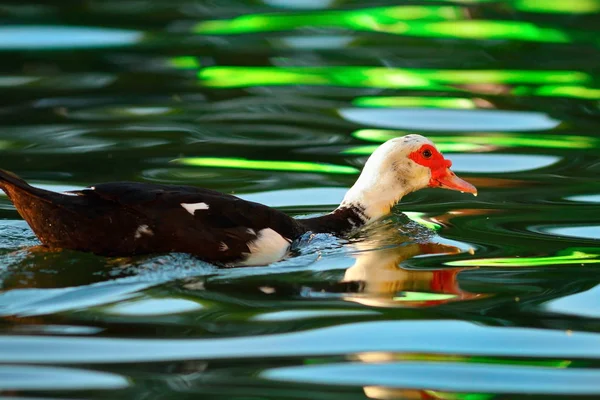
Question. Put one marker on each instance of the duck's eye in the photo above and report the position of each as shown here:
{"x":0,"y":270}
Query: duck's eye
{"x":427,"y":153}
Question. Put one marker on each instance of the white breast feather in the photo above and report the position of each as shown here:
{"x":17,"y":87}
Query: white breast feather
{"x":143,"y":230}
{"x":192,"y":207}
{"x":268,"y":247}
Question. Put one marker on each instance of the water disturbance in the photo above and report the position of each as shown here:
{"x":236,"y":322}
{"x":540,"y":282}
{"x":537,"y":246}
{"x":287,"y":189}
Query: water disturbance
{"x":280,"y":102}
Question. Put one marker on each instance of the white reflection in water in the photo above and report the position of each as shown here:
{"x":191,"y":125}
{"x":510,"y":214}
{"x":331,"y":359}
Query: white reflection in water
{"x":450,"y":120}
{"x":153,"y":307}
{"x":294,"y":315}
{"x":402,"y":336}
{"x":499,"y":163}
{"x":451,"y":376}
{"x":317,"y":42}
{"x":145,"y":110}
{"x":585,"y":232}
{"x":585,"y":198}
{"x":298,"y":197}
{"x":31,"y":37}
{"x":300,"y":4}
{"x":23,"y":377}
{"x":584,"y":304}
{"x":11,"y":81}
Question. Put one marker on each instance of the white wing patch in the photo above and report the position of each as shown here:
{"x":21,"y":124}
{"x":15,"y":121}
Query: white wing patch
{"x":143,"y":230}
{"x":192,"y":207}
{"x":268,"y":247}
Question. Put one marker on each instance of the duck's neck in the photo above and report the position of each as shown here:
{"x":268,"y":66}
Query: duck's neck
{"x":371,"y":198}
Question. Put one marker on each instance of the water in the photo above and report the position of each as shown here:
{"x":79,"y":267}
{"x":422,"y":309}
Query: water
{"x":492,"y":297}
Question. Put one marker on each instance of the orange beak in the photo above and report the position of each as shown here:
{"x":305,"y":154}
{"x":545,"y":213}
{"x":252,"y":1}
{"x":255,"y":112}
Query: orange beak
{"x":447,"y":179}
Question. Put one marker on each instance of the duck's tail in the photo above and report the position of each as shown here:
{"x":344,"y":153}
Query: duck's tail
{"x":8,"y":179}
{"x":11,"y":184}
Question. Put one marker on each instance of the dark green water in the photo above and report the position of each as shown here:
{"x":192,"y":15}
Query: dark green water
{"x":493,"y":297}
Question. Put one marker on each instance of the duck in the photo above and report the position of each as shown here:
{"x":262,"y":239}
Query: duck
{"x":121,"y":219}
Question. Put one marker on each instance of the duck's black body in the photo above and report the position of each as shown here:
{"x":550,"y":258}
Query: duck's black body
{"x":128,"y":218}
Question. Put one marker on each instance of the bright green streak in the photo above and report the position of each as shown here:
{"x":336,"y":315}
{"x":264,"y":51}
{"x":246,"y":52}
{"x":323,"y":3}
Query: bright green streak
{"x":459,"y":396}
{"x":421,"y":21}
{"x":501,"y":76}
{"x":579,"y":92}
{"x":369,"y":19}
{"x":424,"y":296}
{"x":499,"y":139}
{"x":484,"y":30}
{"x":434,"y":102}
{"x":482,"y":360}
{"x":558,"y":6}
{"x":185,"y":62}
{"x":430,"y":79}
{"x":571,"y":257}
{"x":319,"y":76}
{"x":241,"y":163}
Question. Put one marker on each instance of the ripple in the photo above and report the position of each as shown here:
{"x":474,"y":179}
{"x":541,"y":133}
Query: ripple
{"x":316,"y":42}
{"x":310,"y":314}
{"x":32,"y":37}
{"x":418,"y":336}
{"x":145,"y":273}
{"x":14,"y":377}
{"x":501,"y":163}
{"x":298,"y":197}
{"x":583,"y":231}
{"x":450,"y":120}
{"x":584,"y":304}
{"x":585,"y":198}
{"x":27,"y":302}
{"x":153,"y":307}
{"x":446,"y":376}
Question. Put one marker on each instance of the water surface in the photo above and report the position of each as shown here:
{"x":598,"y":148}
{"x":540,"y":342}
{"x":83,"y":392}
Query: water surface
{"x":280,"y":102}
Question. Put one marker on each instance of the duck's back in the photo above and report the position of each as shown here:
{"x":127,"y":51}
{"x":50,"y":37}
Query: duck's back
{"x":125,"y":218}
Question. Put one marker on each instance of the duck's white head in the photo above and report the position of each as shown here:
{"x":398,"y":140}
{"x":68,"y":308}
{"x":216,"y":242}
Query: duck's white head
{"x":400,"y":166}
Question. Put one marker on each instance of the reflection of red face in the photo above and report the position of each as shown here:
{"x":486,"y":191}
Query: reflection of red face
{"x":441,"y":176}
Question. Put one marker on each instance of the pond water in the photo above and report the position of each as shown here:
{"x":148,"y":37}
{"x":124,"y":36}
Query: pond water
{"x":281,"y":101}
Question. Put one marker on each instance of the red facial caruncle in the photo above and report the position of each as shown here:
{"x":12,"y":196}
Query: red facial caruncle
{"x":441,"y":176}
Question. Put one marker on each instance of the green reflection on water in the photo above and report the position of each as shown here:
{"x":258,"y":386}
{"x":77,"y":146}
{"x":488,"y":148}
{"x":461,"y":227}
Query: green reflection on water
{"x":363,"y":19}
{"x":565,"y":257}
{"x":448,"y":358}
{"x":424,"y":296}
{"x":435,"y":394}
{"x":185,"y":62}
{"x":413,"y":20}
{"x":579,"y":92}
{"x":408,"y":101}
{"x":232,"y":76}
{"x":455,"y":143}
{"x":558,"y":6}
{"x":418,"y":217}
{"x":241,"y":163}
{"x":488,"y":30}
{"x":321,"y":76}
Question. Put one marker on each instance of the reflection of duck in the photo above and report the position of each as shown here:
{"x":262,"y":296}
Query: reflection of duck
{"x":135,"y":218}
{"x":385,"y":283}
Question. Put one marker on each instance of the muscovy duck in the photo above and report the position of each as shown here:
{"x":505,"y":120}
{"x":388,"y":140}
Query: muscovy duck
{"x":130,"y":218}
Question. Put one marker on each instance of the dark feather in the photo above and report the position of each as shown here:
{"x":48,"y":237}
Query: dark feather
{"x":127,"y":218}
